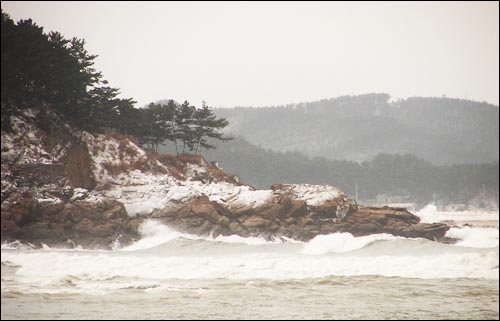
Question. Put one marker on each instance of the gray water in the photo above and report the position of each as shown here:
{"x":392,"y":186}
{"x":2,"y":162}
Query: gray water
{"x":173,"y":276}
{"x":369,"y":297}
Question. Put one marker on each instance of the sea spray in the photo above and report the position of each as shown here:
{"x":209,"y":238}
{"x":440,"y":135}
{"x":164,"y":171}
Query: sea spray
{"x":341,"y":242}
{"x":430,"y":214}
{"x":154,"y":263}
{"x":479,"y":237}
{"x":155,"y":234}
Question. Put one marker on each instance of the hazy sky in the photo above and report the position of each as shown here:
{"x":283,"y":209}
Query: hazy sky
{"x":276,"y":53}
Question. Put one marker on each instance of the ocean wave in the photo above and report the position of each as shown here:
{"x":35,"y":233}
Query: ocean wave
{"x":412,"y":259}
{"x":430,"y":214}
{"x":164,"y":256}
{"x":478,"y":237}
{"x":155,"y":234}
{"x":341,"y":243}
{"x":17,"y":245}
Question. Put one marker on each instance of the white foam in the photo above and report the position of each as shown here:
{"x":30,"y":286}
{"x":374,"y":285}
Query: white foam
{"x":341,"y":242}
{"x":485,"y":237}
{"x":430,"y":214}
{"x":250,"y":240}
{"x":155,"y":234}
{"x":87,"y":266}
{"x":16,"y":245}
{"x":336,"y":254}
{"x":427,"y":214}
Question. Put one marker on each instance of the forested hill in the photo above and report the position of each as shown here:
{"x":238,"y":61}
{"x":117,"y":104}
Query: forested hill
{"x":440,"y":130}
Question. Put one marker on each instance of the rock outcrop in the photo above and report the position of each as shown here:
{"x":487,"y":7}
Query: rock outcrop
{"x":73,"y":188}
{"x":286,"y":216}
{"x":88,"y":224}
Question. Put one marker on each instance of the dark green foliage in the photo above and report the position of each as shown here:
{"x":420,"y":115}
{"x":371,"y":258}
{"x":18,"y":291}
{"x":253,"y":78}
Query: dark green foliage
{"x":207,"y":126}
{"x":43,"y":71}
{"x":189,"y":128}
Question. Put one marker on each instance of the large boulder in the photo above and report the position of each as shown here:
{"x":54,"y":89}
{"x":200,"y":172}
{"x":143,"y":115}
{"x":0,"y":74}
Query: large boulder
{"x":92,"y":225}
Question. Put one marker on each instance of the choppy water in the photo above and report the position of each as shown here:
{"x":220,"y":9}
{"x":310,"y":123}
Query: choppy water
{"x":168,"y":275}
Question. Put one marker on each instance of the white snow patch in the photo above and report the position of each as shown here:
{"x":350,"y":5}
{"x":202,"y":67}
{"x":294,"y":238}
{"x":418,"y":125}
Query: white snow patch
{"x":79,"y":193}
{"x":24,"y":145}
{"x":141,"y":193}
{"x":312,"y":194}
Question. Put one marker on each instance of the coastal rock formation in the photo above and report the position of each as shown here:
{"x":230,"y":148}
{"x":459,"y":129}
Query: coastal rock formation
{"x":293,"y":218}
{"x":88,"y":224}
{"x":61,"y":186}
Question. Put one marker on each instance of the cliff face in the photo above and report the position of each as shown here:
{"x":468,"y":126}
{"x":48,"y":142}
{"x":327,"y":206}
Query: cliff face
{"x":61,"y":186}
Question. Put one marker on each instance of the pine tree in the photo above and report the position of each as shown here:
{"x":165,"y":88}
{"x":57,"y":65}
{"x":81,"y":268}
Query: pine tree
{"x":184,"y":122}
{"x":170,"y":115}
{"x":42,"y":70}
{"x":207,"y":125}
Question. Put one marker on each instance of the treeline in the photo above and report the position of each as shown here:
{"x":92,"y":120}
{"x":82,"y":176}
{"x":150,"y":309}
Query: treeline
{"x":45,"y":71}
{"x":403,"y":175}
{"x":186,"y":126}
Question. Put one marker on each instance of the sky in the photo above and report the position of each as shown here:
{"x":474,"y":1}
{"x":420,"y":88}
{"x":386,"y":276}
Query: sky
{"x":275,"y":53}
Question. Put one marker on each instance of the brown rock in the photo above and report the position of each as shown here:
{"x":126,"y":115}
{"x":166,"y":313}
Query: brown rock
{"x":255,"y":221}
{"x":236,"y":227}
{"x":88,"y":224}
{"x":242,"y":210}
{"x":79,"y":167}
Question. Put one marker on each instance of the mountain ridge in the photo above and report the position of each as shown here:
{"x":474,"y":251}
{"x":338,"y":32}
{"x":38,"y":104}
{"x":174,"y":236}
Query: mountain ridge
{"x":440,"y":130}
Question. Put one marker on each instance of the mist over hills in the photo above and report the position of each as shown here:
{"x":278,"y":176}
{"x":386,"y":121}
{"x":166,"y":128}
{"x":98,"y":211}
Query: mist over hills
{"x":439,"y":130}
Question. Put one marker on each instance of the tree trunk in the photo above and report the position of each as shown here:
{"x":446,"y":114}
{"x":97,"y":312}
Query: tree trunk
{"x":176,"y":148}
{"x":197,"y":146}
{"x":175,"y":140}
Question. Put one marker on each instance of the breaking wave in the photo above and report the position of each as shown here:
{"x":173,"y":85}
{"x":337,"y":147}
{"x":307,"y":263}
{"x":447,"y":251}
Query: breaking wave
{"x":164,"y":254}
{"x":155,"y":234}
{"x":430,"y":214}
{"x":478,"y":237}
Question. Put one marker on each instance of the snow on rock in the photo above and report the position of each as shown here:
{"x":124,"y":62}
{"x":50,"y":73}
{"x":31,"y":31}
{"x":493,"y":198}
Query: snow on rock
{"x":142,"y":193}
{"x":51,"y":200}
{"x":108,"y":152}
{"x":24,"y":145}
{"x":194,"y":170}
{"x":79,"y":194}
{"x":312,"y":194}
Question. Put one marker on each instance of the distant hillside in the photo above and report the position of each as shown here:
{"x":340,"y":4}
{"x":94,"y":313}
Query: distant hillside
{"x":440,"y":130}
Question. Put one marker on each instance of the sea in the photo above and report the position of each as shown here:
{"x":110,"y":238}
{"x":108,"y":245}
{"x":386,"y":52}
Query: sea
{"x":171,"y":275}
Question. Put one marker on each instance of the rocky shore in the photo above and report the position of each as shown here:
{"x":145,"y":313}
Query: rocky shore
{"x":285,"y":216}
{"x":66,"y":188}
